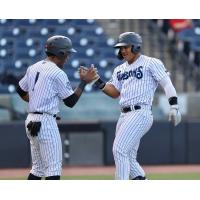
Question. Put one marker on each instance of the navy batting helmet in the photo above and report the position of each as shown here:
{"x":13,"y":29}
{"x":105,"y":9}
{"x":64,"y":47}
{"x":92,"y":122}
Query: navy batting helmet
{"x":129,"y":38}
{"x":59,"y":45}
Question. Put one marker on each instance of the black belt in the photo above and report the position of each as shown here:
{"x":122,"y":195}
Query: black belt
{"x":40,"y":113}
{"x":129,"y":108}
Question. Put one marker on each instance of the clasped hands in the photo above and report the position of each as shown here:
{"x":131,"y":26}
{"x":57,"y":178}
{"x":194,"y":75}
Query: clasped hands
{"x":88,"y":74}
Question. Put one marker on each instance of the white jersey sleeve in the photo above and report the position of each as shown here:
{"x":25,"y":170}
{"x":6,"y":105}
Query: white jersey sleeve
{"x":23,"y":83}
{"x":158,"y":69}
{"x":63,"y":86}
{"x":114,"y":81}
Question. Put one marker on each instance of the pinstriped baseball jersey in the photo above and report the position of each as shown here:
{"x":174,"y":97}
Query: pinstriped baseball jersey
{"x":46,"y":85}
{"x":137,"y":82}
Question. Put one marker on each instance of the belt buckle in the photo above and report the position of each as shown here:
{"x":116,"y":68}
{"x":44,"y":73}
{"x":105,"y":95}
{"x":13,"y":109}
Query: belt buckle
{"x":123,"y":110}
{"x":126,"y":109}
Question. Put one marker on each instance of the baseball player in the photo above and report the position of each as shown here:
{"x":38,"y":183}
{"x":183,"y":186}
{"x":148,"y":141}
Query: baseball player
{"x":135,"y":82}
{"x":43,"y":86}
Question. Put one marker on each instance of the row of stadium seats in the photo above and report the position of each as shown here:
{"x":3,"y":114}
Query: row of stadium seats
{"x":187,"y":38}
{"x":22,"y":43}
{"x":189,"y":42}
{"x":37,"y":31}
{"x":33,"y":22}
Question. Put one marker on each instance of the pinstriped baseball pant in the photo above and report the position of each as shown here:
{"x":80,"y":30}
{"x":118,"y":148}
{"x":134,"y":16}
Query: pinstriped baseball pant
{"x":130,"y":128}
{"x":46,"y":148}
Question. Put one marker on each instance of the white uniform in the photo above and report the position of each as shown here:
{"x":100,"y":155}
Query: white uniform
{"x":137,"y":84}
{"x":46,"y":85}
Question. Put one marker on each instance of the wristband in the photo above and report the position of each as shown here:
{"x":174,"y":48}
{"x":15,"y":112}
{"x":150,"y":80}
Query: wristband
{"x":100,"y":83}
{"x":173,"y":101}
{"x":82,"y":85}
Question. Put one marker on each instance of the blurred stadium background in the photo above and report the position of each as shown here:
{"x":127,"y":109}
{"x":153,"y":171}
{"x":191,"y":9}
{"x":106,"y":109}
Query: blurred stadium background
{"x":88,"y":129}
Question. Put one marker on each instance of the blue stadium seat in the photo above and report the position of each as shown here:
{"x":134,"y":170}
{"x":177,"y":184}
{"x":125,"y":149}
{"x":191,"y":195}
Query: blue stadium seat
{"x":2,"y":70}
{"x":22,"y":63}
{"x":57,"y":22}
{"x":21,"y":22}
{"x":28,"y":22}
{"x":94,"y":41}
{"x":186,"y":36}
{"x":86,"y":31}
{"x":21,"y":52}
{"x":37,"y":43}
{"x":6,"y":54}
{"x":20,"y":44}
{"x":51,"y":22}
{"x":3,"y":89}
{"x":65,"y":21}
{"x":107,"y":62}
{"x":7,"y":42}
{"x":61,"y":30}
{"x":196,"y":22}
{"x":107,"y":52}
{"x":6,"y":22}
{"x":195,"y":52}
{"x":80,"y":62}
{"x":70,"y":71}
{"x":41,"y":31}
{"x":195,"y":45}
{"x":13,"y":31}
{"x":189,"y":34}
{"x":84,"y":22}
{"x":69,"y":31}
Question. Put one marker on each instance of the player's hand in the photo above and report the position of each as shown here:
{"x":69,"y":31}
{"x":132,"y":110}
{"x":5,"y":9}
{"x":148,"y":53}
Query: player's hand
{"x":83,"y":69}
{"x":97,"y":75}
{"x":174,"y":115}
{"x":88,"y":74}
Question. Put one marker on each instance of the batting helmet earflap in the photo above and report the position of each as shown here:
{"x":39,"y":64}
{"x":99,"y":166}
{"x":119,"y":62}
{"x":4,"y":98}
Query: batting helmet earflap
{"x":129,"y":38}
{"x":59,"y":45}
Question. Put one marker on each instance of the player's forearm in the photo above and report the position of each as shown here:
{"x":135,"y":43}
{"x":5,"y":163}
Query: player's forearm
{"x":170,"y":91}
{"x":73,"y":99}
{"x":23,"y":94}
{"x":174,"y":113}
{"x":79,"y":90}
{"x":108,"y":89}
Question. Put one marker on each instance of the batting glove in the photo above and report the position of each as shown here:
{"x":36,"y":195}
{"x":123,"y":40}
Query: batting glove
{"x":174,"y":115}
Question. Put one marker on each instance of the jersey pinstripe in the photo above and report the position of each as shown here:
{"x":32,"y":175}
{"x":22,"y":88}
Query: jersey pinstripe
{"x":137,"y":84}
{"x":46,"y":85}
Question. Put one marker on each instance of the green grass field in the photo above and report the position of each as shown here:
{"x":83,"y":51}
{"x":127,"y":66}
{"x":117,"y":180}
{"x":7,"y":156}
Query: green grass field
{"x":172,"y":176}
{"x":177,"y":176}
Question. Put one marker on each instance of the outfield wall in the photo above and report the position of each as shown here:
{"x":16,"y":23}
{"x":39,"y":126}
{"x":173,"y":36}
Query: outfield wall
{"x":90,"y":143}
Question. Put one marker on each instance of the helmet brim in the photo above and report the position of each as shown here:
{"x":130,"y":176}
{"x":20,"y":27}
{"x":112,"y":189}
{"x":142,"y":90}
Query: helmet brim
{"x":122,"y":44}
{"x":72,"y":50}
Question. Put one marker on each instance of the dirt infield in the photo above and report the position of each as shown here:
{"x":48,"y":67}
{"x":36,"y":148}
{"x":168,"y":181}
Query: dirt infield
{"x":91,"y":170}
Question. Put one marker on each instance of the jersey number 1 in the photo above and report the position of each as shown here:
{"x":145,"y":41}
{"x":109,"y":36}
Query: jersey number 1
{"x":36,"y":79}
